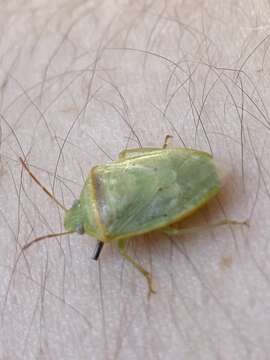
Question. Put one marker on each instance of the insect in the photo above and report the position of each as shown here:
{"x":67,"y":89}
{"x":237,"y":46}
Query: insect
{"x":144,"y":190}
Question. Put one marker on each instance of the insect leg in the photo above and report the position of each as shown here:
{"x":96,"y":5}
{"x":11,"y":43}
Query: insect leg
{"x":166,"y":141}
{"x":145,"y":273}
{"x":185,"y":231}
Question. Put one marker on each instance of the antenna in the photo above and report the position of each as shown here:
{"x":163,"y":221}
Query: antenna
{"x":41,"y":186}
{"x":45,"y":237}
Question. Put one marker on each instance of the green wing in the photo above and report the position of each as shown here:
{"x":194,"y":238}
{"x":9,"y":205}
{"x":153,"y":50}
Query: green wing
{"x":132,"y":153}
{"x":141,"y":194}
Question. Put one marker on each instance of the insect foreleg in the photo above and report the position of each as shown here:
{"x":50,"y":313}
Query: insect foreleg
{"x":166,"y":141}
{"x":145,"y":273}
{"x":173,"y":231}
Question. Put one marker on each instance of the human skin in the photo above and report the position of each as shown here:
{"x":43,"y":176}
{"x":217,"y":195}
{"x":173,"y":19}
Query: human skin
{"x":79,"y":82}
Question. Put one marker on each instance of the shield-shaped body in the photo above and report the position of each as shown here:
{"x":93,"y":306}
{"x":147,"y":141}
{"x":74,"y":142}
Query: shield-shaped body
{"x":144,"y":190}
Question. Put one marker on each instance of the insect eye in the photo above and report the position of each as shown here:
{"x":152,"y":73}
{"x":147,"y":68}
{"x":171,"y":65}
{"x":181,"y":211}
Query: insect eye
{"x":75,"y":203}
{"x":80,"y":229}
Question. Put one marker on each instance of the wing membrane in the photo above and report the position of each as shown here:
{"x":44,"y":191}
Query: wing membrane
{"x":141,"y":194}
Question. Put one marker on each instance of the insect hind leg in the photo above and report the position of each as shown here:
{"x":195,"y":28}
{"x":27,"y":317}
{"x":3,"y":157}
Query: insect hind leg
{"x":174,"y":231}
{"x":145,"y":273}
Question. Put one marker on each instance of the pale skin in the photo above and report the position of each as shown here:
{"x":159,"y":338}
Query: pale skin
{"x":81,"y":81}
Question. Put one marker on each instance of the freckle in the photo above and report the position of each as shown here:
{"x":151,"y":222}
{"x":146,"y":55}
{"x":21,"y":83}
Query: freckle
{"x":226,"y":262}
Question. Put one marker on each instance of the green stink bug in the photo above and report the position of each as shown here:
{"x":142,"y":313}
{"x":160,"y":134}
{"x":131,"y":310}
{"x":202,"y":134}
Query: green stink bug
{"x":144,"y":190}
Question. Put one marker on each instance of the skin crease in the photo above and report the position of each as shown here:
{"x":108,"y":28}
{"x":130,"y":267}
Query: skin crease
{"x":81,"y":81}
